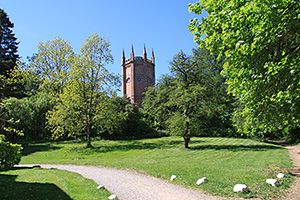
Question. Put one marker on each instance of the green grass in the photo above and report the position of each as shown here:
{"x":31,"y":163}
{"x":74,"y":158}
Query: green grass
{"x":37,"y":183}
{"x":224,"y":161}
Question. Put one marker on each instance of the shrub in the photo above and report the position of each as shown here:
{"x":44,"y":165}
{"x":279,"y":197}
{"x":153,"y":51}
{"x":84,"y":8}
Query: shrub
{"x":31,"y":112}
{"x":10,"y":154}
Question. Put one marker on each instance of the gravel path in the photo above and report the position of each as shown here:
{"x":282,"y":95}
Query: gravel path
{"x":130,"y":185}
{"x":294,"y":191}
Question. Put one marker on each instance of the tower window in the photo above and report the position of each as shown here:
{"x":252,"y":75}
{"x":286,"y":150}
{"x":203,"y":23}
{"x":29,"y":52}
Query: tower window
{"x":128,"y":80}
{"x":139,"y":79}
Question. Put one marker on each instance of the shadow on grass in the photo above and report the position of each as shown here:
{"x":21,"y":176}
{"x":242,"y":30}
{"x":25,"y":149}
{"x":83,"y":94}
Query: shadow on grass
{"x":130,"y":145}
{"x":11,"y":189}
{"x":29,"y":148}
{"x":235,"y":148}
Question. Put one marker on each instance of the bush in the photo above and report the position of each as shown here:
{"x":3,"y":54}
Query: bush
{"x":31,"y":112}
{"x":10,"y":154}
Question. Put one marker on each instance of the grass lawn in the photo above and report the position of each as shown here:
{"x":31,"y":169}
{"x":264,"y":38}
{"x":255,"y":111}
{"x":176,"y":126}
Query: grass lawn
{"x":224,"y":161}
{"x":37,"y":183}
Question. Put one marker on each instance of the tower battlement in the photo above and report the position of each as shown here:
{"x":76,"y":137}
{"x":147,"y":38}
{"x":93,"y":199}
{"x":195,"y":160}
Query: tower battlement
{"x":139,"y":58}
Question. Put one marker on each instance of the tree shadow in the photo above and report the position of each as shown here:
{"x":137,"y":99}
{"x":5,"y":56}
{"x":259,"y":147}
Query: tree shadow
{"x":11,"y":189}
{"x":132,"y":145}
{"x":29,"y":148}
{"x":235,"y":148}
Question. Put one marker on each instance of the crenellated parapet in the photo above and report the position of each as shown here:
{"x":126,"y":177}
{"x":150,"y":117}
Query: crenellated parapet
{"x":138,"y":58}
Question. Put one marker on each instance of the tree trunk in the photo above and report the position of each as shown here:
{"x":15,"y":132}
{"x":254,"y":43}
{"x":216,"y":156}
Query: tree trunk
{"x":186,"y":135}
{"x":88,"y":134}
{"x":186,"y":142}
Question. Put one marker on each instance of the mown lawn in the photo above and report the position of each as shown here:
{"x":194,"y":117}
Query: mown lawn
{"x":37,"y":183}
{"x":224,"y":161}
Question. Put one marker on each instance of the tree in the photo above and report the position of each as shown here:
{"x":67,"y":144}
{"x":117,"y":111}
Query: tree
{"x":53,"y":63}
{"x":187,"y":94}
{"x":156,"y":100}
{"x":261,"y":42}
{"x":8,"y":45}
{"x":11,"y":83}
{"x":88,"y":84}
{"x":193,"y":91}
{"x":119,"y":118}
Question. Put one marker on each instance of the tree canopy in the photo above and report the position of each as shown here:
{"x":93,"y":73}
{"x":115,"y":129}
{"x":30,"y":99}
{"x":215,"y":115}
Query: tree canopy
{"x":53,"y":62}
{"x":8,"y":44}
{"x":260,"y":40}
{"x":87,"y":87}
{"x":12,"y":82}
{"x":192,"y":95}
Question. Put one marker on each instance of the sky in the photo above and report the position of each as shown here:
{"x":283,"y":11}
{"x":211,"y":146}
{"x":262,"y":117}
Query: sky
{"x":159,"y":24}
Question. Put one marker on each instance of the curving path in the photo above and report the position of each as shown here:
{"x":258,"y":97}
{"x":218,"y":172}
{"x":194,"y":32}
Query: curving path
{"x":130,"y":185}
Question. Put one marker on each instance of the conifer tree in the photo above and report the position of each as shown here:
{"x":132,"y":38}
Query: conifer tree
{"x":12,"y":82}
{"x":8,"y":45}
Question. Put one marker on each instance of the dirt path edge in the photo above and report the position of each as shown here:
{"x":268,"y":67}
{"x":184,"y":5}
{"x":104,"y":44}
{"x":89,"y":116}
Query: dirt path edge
{"x":294,"y":191}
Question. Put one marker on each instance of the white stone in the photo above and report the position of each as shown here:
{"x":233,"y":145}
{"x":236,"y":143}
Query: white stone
{"x":280,"y":175}
{"x":240,"y":188}
{"x":100,"y":187}
{"x":113,"y":197}
{"x":201,"y":180}
{"x":173,"y":177}
{"x":272,"y":182}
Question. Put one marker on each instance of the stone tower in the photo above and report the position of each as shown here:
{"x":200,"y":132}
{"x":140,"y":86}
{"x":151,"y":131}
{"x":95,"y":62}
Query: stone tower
{"x":138,"y":73}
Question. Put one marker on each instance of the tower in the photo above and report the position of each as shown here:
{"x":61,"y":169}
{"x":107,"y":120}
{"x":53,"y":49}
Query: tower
{"x":138,"y":73}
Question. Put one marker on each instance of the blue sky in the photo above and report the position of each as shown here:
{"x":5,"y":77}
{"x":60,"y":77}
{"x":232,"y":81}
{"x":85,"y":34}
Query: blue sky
{"x":159,"y":24}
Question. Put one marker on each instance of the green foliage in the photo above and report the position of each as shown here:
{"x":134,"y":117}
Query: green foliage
{"x":8,"y":44}
{"x":260,"y":41}
{"x":53,"y":63}
{"x":85,"y":89}
{"x":13,"y":84}
{"x":20,"y":83}
{"x":11,"y":81}
{"x":8,"y":124}
{"x":10,"y":154}
{"x":110,"y":118}
{"x":31,"y":113}
{"x":156,"y":101}
{"x":118,"y":118}
{"x":193,"y":99}
{"x":138,"y":123}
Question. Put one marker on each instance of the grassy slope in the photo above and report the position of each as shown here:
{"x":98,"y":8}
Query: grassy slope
{"x":37,"y":183}
{"x":224,"y":161}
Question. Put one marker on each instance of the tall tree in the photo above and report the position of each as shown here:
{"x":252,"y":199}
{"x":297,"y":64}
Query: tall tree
{"x":194,"y":89}
{"x":187,"y":95}
{"x":261,"y":41}
{"x":8,"y":45}
{"x":11,"y":83}
{"x":88,"y":84}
